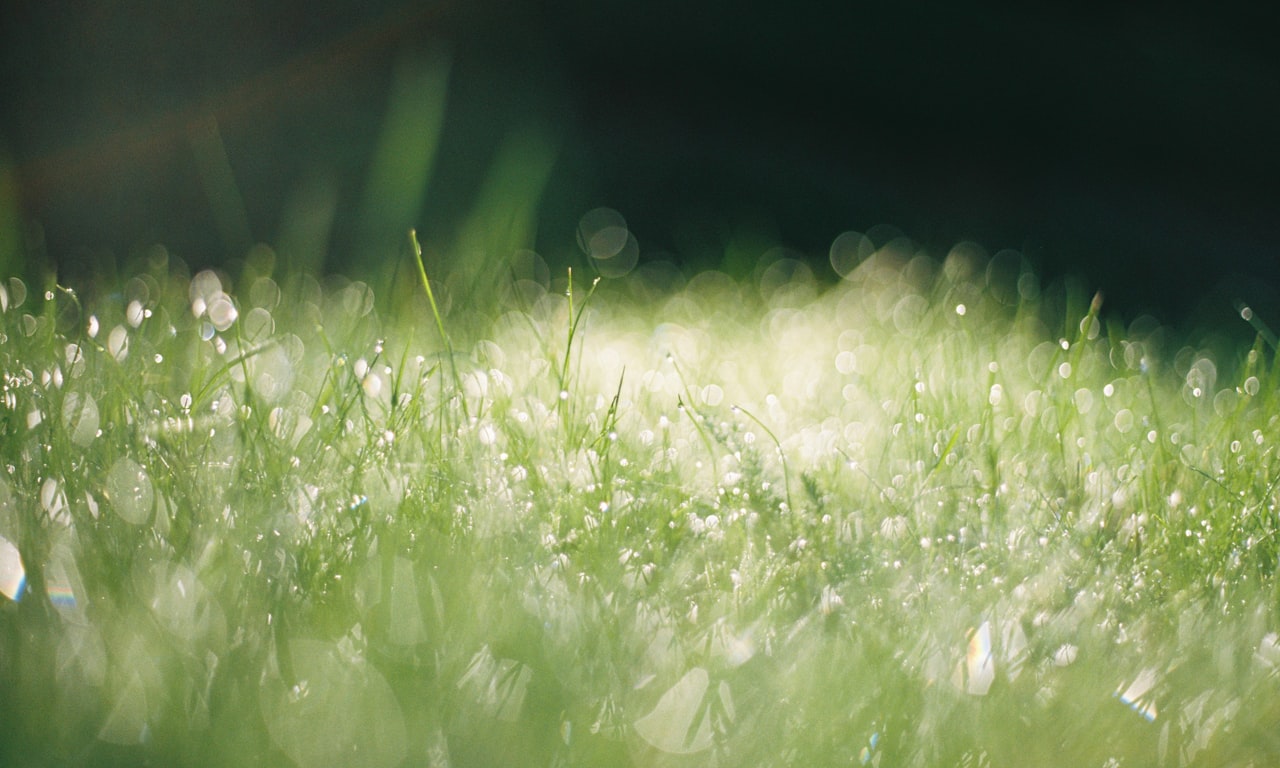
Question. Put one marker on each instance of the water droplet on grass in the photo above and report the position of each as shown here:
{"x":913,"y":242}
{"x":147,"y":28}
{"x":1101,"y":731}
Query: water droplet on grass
{"x":133,"y":313}
{"x":129,"y":489}
{"x":118,"y":343}
{"x":1124,"y":420}
{"x":203,"y":287}
{"x":222,"y":311}
{"x":17,"y":293}
{"x":258,"y":325}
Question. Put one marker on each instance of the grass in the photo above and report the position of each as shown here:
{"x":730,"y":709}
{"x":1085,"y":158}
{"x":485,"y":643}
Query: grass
{"x":915,"y":519}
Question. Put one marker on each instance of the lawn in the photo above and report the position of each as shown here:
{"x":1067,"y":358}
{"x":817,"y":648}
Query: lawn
{"x":936,"y":514}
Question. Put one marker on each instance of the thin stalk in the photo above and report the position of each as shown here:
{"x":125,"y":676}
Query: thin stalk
{"x":435,"y":313}
{"x":786,"y":474}
{"x":575,"y":318}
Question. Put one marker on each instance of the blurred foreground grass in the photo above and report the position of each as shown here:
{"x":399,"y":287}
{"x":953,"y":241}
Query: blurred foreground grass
{"x":932,"y":516}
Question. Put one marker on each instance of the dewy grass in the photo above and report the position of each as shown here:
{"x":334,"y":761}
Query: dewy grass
{"x":270,"y":529}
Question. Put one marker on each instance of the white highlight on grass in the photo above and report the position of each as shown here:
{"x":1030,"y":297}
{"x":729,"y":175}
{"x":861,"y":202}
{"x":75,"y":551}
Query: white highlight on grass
{"x":12,"y":575}
{"x":979,"y":668}
{"x":1138,"y":694}
{"x":1269,"y":651}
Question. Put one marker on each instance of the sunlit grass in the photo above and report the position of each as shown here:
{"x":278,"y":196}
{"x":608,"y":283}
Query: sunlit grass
{"x":933,"y":516}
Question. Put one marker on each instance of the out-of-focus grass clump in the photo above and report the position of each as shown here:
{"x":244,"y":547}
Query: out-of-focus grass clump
{"x":936,"y":515}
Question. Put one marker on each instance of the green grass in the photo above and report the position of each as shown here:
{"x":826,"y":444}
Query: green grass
{"x":921,"y":518}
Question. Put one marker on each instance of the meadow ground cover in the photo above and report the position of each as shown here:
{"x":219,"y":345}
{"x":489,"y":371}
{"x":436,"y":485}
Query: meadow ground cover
{"x":935,"y":515}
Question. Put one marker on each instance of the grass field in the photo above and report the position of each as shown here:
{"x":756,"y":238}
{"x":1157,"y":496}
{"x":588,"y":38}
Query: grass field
{"x":936,"y":515}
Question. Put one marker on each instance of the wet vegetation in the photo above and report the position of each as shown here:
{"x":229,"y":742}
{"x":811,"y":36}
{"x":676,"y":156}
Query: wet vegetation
{"x":938,"y":514}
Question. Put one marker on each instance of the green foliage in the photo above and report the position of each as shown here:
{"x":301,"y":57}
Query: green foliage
{"x":900,"y":521}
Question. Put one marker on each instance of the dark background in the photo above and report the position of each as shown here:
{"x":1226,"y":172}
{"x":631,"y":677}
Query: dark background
{"x":1132,"y":145}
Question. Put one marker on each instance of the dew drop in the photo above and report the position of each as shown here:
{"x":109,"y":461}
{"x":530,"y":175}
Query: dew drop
{"x":118,"y":343}
{"x":133,"y":313}
{"x":222,"y":311}
{"x":129,"y":489}
{"x":80,"y":415}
